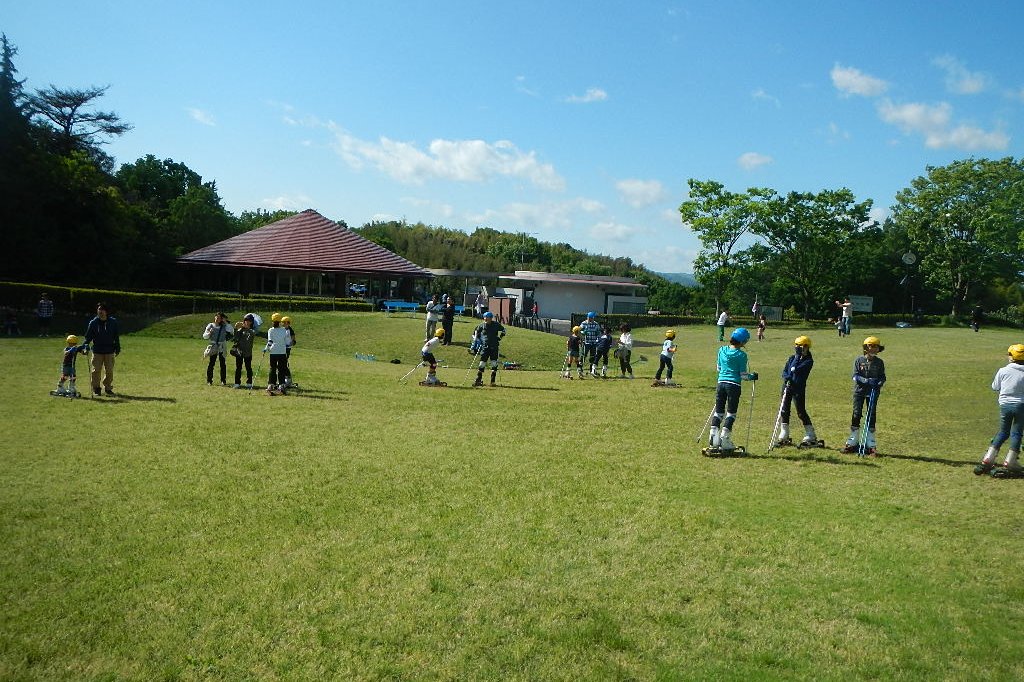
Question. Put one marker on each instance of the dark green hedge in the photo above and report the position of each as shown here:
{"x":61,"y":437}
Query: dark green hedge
{"x":75,"y":300}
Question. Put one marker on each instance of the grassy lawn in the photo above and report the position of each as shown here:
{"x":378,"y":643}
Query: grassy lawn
{"x":543,"y":530}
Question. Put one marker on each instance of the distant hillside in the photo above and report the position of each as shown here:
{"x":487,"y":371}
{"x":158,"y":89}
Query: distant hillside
{"x":684,"y":278}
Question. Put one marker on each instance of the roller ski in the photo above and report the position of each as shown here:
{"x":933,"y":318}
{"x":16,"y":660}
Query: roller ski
{"x":861,"y":443}
{"x":810,"y":439}
{"x":1010,"y":468}
{"x":433,"y":384}
{"x":720,"y":445}
{"x":65,"y":393}
{"x":667,"y":383}
{"x":1008,"y":472}
{"x":276,"y":390}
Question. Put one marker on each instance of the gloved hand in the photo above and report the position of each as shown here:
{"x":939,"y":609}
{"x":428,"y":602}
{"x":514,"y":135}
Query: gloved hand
{"x":749,"y":376}
{"x":875,"y":383}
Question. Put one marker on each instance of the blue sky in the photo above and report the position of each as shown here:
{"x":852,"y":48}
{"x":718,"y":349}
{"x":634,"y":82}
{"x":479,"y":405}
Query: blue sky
{"x":575,"y":122}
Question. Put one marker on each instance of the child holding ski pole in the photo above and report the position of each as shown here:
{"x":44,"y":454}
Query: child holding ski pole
{"x":868,"y":378}
{"x":491,"y":332}
{"x":794,"y":376}
{"x":668,"y":351}
{"x":732,"y":369}
{"x":573,"y":346}
{"x":1009,"y":382}
{"x":427,"y":353}
{"x":67,"y":367}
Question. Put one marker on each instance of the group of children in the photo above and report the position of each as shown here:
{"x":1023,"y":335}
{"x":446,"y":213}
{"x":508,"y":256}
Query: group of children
{"x":280,"y":340}
{"x":590,"y":341}
{"x":485,"y":345}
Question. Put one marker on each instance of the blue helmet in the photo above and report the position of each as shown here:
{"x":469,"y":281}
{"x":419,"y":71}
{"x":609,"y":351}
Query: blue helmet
{"x":591,"y":315}
{"x":740,"y":334}
{"x":488,"y":315}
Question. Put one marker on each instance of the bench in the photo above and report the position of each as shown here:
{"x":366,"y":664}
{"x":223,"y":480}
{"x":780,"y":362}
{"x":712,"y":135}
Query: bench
{"x":392,"y":306}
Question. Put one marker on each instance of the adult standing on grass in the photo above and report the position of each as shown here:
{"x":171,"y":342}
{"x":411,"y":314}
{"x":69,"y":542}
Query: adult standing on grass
{"x":490,"y":333}
{"x":481,"y":303}
{"x":218,"y":333}
{"x":590,"y":330}
{"x":44,"y":314}
{"x":433,"y":314}
{"x":104,"y":336}
{"x":723,"y":320}
{"x":447,"y":321}
{"x":846,"y":319}
{"x":1009,"y":382}
{"x":245,"y":334}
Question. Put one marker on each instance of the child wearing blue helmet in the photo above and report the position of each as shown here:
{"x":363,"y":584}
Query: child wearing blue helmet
{"x":732,"y":369}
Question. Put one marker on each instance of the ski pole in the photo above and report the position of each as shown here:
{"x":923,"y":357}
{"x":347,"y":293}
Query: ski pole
{"x":778,"y":419}
{"x":866,"y":429}
{"x":468,"y":369}
{"x":420,"y":364}
{"x":750,"y":416}
{"x":710,"y":416}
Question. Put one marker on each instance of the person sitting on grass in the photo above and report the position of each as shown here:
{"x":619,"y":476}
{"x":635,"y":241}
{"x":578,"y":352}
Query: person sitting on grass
{"x":1009,"y":382}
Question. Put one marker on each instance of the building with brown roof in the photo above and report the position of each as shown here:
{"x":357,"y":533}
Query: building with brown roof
{"x":304,"y":254}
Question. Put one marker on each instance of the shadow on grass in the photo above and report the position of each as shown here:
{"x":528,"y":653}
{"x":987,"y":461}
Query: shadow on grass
{"x":525,"y":388}
{"x":833,"y":457}
{"x":930,"y":460}
{"x":125,"y":397}
{"x":316,"y":394}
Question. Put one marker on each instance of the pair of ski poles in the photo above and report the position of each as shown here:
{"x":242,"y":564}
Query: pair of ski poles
{"x":865,"y":428}
{"x":778,"y":418}
{"x":750,"y":415}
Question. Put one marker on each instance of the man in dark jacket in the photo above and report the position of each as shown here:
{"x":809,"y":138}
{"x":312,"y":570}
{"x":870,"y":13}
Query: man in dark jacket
{"x":105,"y":338}
{"x":448,"y":321}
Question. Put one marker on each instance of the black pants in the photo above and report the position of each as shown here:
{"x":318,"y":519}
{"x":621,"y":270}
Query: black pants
{"x":797,"y":398}
{"x":727,"y":402}
{"x":447,"y":325}
{"x":859,"y":400}
{"x":239,"y":361}
{"x":666,"y":363}
{"x":624,"y":361}
{"x":278,"y":367}
{"x":223,"y":369}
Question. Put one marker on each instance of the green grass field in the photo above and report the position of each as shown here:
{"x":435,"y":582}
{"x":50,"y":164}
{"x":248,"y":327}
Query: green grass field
{"x":542,"y":530}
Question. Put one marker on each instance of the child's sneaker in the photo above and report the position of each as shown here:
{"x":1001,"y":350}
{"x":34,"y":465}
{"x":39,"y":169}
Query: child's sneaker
{"x":237,"y":386}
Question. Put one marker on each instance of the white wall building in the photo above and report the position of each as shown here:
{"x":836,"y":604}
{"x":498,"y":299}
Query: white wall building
{"x":559,"y":295}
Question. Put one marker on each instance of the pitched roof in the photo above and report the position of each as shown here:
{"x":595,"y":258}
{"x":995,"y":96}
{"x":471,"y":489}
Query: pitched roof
{"x":564,"y":278}
{"x":305,"y":241}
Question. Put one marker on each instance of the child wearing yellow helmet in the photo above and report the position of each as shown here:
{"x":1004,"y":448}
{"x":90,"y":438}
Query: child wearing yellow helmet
{"x":868,"y":379}
{"x":427,"y":355}
{"x":794,"y":391}
{"x":277,"y":344}
{"x":1009,"y":382}
{"x":573,"y":346}
{"x":668,"y":351}
{"x":67,"y":367}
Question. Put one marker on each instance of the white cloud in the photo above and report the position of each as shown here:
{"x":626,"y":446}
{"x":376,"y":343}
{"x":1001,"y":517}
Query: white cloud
{"x":439,"y":208}
{"x":610,"y":231}
{"x":752,"y":160}
{"x":550,"y":215}
{"x":760,"y":94}
{"x":458,"y":160}
{"x":958,"y":79}
{"x":667,"y":259}
{"x":934,"y":123}
{"x":522,"y":87}
{"x":640,"y":193}
{"x":836,"y":133}
{"x":298,"y":202}
{"x":592,"y":95}
{"x":201,"y":116}
{"x":851,"y":81}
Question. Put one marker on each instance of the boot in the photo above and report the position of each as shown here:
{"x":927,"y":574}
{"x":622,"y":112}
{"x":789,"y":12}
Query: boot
{"x":988,"y":462}
{"x":810,"y":437}
{"x":784,"y":438}
{"x":494,"y":375}
{"x":871,"y":441}
{"x":727,"y":443}
{"x":479,"y":378}
{"x":593,"y":371}
{"x":604,"y":372}
{"x":851,"y":442}
{"x":1011,"y":462}
{"x":715,"y":440}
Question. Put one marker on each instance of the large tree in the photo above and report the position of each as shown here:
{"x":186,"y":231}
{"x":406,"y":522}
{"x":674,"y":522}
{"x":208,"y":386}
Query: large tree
{"x":966,"y":221}
{"x":720,"y":219}
{"x":803,"y":235}
{"x":72,"y":123}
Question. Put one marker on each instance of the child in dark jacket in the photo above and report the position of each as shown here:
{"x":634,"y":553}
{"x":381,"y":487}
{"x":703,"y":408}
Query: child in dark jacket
{"x":868,"y":379}
{"x":67,"y":367}
{"x":604,"y":344}
{"x":794,"y":391}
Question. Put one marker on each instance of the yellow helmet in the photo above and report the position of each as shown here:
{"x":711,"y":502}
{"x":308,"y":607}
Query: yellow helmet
{"x":670,"y":334}
{"x":576,"y":329}
{"x":1016,"y":352}
{"x":276,"y":317}
{"x":873,"y":341}
{"x":439,"y":333}
{"x":72,"y":340}
{"x":286,"y":319}
{"x":802,"y":341}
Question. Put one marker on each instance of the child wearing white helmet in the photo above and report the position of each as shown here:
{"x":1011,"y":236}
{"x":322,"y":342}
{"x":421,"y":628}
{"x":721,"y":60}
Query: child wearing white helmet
{"x":67,"y":367}
{"x":732,"y":369}
{"x":668,"y":352}
{"x":868,"y":379}
{"x":1009,"y":382}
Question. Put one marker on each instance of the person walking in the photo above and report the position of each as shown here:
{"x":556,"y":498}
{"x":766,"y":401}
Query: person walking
{"x":44,"y":314}
{"x":668,"y":351}
{"x":723,"y":321}
{"x":218,"y":333}
{"x":103,"y":334}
